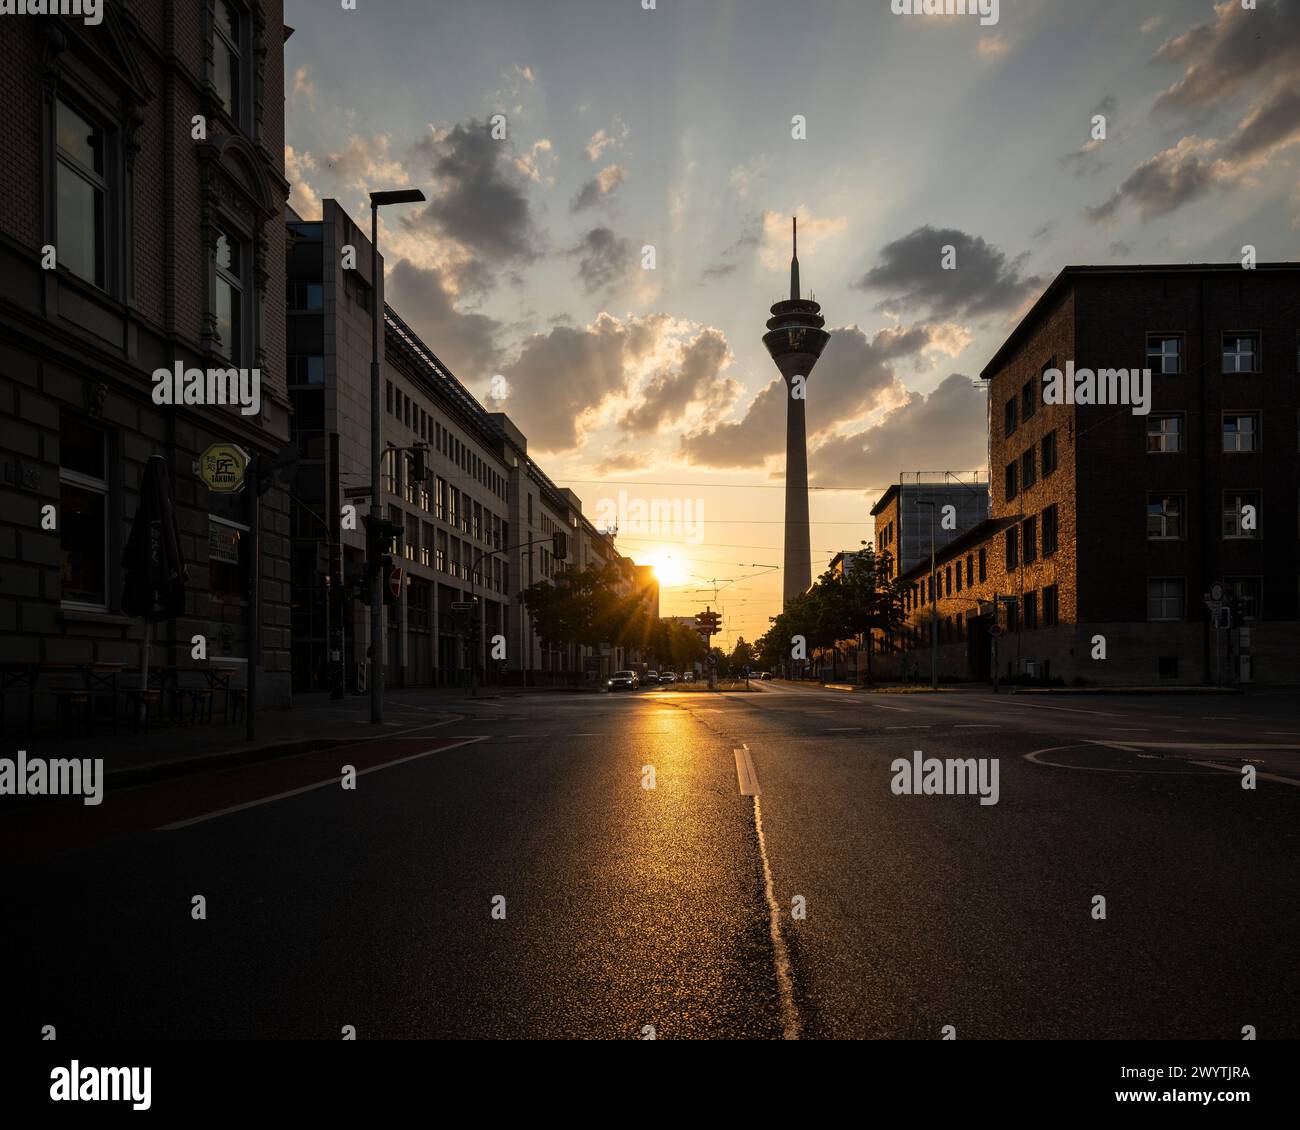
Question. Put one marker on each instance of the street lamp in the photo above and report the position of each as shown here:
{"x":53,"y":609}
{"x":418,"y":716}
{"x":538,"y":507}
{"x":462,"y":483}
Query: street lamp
{"x":377,"y":201}
{"x":934,"y":604}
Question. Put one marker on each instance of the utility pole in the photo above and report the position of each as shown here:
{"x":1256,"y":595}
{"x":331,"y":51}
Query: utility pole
{"x":377,"y":200}
{"x":934,"y":603}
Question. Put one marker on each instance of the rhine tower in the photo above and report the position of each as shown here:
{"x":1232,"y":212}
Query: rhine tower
{"x":795,"y":340}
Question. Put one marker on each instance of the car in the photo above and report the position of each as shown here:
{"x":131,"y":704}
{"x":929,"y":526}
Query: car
{"x":623,"y":681}
{"x":667,"y":677}
{"x":688,"y":676}
{"x":766,"y":675}
{"x":650,"y":678}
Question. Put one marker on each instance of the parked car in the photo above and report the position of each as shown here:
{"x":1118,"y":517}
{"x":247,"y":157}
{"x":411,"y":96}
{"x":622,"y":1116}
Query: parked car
{"x":650,"y":678}
{"x":667,"y":677}
{"x":623,"y":681}
{"x":688,"y":676}
{"x":766,"y":675}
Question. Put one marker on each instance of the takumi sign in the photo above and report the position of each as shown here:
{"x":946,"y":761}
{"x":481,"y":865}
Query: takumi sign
{"x":222,"y":467}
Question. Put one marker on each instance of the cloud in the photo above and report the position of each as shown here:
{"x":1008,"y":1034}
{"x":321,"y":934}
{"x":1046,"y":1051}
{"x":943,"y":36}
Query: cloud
{"x":621,"y":461}
{"x":425,"y":300}
{"x":604,"y":139}
{"x":1238,"y":46}
{"x":562,"y":379}
{"x":1120,"y":250}
{"x":1084,"y":160}
{"x":694,"y":378}
{"x":945,"y":430}
{"x":728,"y":262}
{"x":604,"y":259}
{"x":599,"y":188}
{"x":856,"y":375}
{"x":813,"y":230}
{"x":364,"y":163}
{"x":992,"y":47}
{"x":304,"y":90}
{"x":1165,"y":182}
{"x":1272,"y":124}
{"x":480,"y":200}
{"x":984,"y":282}
{"x":302,"y":197}
{"x":1150,"y":25}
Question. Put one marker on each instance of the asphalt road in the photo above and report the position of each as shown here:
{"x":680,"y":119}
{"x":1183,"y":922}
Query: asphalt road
{"x":628,"y":907}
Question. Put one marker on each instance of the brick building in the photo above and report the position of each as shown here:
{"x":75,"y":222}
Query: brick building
{"x":1108,"y":527}
{"x":141,"y":227}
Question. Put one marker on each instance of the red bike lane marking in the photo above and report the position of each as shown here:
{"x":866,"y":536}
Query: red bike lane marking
{"x":68,"y":824}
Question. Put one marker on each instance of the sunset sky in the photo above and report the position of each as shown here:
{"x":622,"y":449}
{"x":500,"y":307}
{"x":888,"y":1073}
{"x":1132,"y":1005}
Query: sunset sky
{"x":672,"y":128}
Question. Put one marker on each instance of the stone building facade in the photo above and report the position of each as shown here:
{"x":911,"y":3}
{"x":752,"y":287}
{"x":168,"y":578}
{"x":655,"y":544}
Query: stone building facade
{"x":141,"y":228}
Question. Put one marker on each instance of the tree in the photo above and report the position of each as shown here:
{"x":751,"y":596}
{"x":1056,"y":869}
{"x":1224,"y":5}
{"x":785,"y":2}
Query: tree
{"x":742,"y":656}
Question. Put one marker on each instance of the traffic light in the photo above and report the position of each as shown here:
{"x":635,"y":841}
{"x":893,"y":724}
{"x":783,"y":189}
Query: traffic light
{"x":560,"y":545}
{"x":382,"y":538}
{"x":419,"y":468}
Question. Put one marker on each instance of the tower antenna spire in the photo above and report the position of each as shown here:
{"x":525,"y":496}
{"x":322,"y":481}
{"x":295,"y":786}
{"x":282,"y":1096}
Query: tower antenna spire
{"x":794,"y":262}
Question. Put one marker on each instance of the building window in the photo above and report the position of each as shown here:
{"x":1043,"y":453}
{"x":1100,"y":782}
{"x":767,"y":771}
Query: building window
{"x":426,"y":543}
{"x":1164,"y":435}
{"x":1031,"y":611}
{"x":1010,"y":481}
{"x":307,"y":296}
{"x":1241,"y":516}
{"x":1165,"y":517}
{"x":1166,"y":598}
{"x":1013,"y":617}
{"x":1049,"y":453}
{"x":1009,"y":417}
{"x":306,"y":370}
{"x":388,"y":397}
{"x":412,"y":539}
{"x":947,"y":580}
{"x":227,"y":58}
{"x":440,"y":560}
{"x":1013,"y":548}
{"x":388,"y":465}
{"x":408,"y":477}
{"x":958,"y":573}
{"x":1029,"y":398}
{"x":83,"y":513}
{"x":453,"y":508}
{"x":1165,"y":353}
{"x":1245,"y":590}
{"x":1028,"y":475}
{"x":1051,"y":607}
{"x":970,"y":570}
{"x":440,"y":499}
{"x":1240,"y":353}
{"x":81,"y":190}
{"x":230,"y":255}
{"x":1240,"y":432}
{"x":1029,"y":539}
{"x":1051,"y":530}
{"x":984,"y":566}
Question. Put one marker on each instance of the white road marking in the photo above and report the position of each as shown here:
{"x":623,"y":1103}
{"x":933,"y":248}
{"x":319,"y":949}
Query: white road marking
{"x":1261,"y":776}
{"x":976,"y":726}
{"x":842,"y":729}
{"x":309,"y":788}
{"x":745,"y":772}
{"x":1064,"y":709}
{"x":900,"y":709}
{"x":780,"y":953}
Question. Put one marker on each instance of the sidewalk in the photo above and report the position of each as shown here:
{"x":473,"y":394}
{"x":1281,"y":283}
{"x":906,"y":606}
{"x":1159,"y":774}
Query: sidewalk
{"x":315,"y":722}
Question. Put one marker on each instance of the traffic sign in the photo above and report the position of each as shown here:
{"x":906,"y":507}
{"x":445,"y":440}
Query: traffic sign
{"x":222,"y":468}
{"x":395,"y":582}
{"x":462,"y":606}
{"x":1216,"y":591}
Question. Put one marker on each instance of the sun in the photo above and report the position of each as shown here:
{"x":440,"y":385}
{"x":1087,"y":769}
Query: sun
{"x":670,"y":570}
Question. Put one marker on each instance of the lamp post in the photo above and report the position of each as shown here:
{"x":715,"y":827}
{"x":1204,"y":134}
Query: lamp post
{"x":378,"y":200}
{"x":934,"y":604}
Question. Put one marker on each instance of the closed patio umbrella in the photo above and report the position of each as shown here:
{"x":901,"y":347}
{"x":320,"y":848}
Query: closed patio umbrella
{"x":153,"y":561}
